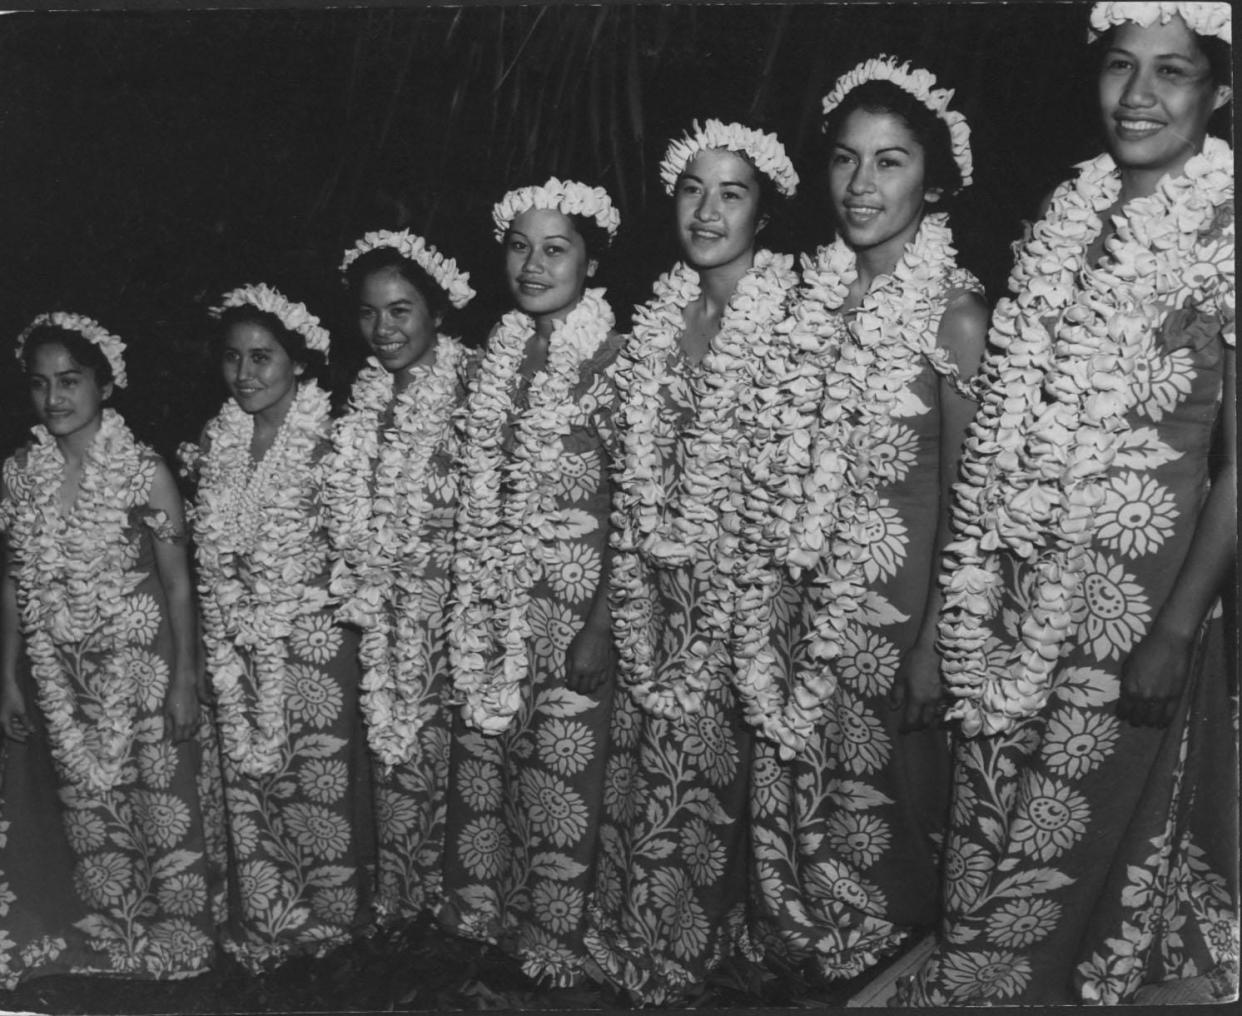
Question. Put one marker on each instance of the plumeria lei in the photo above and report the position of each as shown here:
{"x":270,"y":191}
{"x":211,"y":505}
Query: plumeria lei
{"x":260,"y":549}
{"x":656,"y":528}
{"x":110,"y":345}
{"x":377,"y":503}
{"x":764,"y":150}
{"x":568,"y":197}
{"x":807,"y":502}
{"x":922,"y":85}
{"x":75,"y":574}
{"x":292,"y":315}
{"x":443,"y":270}
{"x":1210,"y":19}
{"x":1057,"y":391}
{"x":507,"y":503}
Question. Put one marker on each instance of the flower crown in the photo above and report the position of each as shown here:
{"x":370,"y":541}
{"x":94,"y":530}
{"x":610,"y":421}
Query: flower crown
{"x":1211,"y":19}
{"x":922,"y":85}
{"x":414,"y":248}
{"x":568,"y":198}
{"x":292,"y":315}
{"x":764,"y":150}
{"x":91,"y":330}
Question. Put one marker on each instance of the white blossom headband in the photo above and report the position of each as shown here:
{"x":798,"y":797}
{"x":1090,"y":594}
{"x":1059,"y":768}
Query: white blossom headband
{"x":1210,"y":19}
{"x":292,"y":315}
{"x":922,"y":85}
{"x":91,"y":330}
{"x":764,"y":150}
{"x":567,"y":197}
{"x":414,"y":248}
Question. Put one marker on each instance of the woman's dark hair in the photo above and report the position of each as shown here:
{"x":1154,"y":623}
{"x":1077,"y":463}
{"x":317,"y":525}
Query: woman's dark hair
{"x":81,"y":351}
{"x":932,"y":133}
{"x":381,"y":258}
{"x":293,"y":343}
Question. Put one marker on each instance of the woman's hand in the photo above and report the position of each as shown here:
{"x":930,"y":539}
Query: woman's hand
{"x":916,"y":689}
{"x":181,"y":707}
{"x":590,"y":660}
{"x":13,"y":717}
{"x":1153,"y":677}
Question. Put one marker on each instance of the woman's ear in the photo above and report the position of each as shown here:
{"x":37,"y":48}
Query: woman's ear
{"x":762,"y":224}
{"x":932,"y":195}
{"x":592,"y":267}
{"x":1223,"y":94}
{"x":105,"y":392}
{"x":299,"y":369}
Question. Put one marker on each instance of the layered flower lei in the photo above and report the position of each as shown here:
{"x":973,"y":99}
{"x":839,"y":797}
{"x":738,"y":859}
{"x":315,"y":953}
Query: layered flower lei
{"x":110,"y":345}
{"x":1058,"y":389}
{"x":922,"y":85}
{"x":764,"y":150}
{"x":1210,"y":19}
{"x":662,"y":529}
{"x":376,"y":501}
{"x":259,"y":549}
{"x":443,"y":270}
{"x":568,"y":197}
{"x":74,"y":576}
{"x":507,"y":504}
{"x":291,"y":314}
{"x":807,"y":506}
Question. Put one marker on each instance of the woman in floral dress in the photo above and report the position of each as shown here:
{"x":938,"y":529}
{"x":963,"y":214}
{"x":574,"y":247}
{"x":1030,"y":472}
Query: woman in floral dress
{"x":283,"y":672}
{"x":105,"y":864}
{"x":672,"y":897}
{"x":847,"y":816}
{"x":1092,"y":848}
{"x":389,"y":496}
{"x":532,"y":646}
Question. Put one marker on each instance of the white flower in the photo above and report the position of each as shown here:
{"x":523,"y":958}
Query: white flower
{"x":95,"y":333}
{"x":567,"y":197}
{"x":1210,"y":19}
{"x":290,"y":313}
{"x":414,"y":248}
{"x":764,"y":150}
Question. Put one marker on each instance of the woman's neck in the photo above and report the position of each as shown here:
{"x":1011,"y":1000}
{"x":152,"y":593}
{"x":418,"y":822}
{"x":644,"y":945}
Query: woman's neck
{"x":718,"y":284}
{"x":73,"y":447}
{"x":267,"y":424}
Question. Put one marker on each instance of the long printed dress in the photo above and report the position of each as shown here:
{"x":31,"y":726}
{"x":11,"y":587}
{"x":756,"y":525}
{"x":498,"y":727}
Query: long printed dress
{"x":300,"y":834}
{"x":847,"y":835}
{"x":525,"y":804}
{"x":672,"y":896}
{"x":127,"y":880}
{"x":1088,"y":856}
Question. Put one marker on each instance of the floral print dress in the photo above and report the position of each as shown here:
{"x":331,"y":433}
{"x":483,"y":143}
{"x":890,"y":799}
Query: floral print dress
{"x":1086,"y":856}
{"x":127,"y":880}
{"x":525,"y":805}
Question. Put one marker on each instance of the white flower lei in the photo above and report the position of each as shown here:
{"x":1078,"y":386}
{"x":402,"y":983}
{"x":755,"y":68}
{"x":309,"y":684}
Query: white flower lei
{"x":74,"y":576}
{"x":507,"y":505}
{"x":110,"y":345}
{"x":414,"y":248}
{"x":764,"y":150}
{"x":292,"y":315}
{"x":667,"y":531}
{"x":568,"y":198}
{"x":1210,"y":19}
{"x":1057,"y":391}
{"x":259,"y":550}
{"x":922,"y":85}
{"x":376,"y":504}
{"x":824,"y":418}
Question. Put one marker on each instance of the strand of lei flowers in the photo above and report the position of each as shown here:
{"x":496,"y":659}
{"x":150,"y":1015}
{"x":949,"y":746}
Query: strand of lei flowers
{"x":506,"y":508}
{"x":1057,"y":390}
{"x":259,"y":552}
{"x":376,"y":501}
{"x":813,"y":515}
{"x":74,"y":576}
{"x":663,"y":529}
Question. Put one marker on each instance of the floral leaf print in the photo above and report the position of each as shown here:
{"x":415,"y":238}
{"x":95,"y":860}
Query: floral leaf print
{"x":1141,"y":448}
{"x":706,"y":805}
{"x":174,"y":863}
{"x":1085,"y":687}
{"x":1032,"y":882}
{"x":876,"y":611}
{"x":561,"y":702}
{"x":855,"y":795}
{"x":550,"y":864}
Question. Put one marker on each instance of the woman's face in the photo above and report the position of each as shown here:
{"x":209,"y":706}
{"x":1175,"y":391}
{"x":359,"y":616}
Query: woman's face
{"x":717,"y":204}
{"x":260,"y":375}
{"x":1156,"y":96}
{"x":546,"y":262}
{"x":395,"y":322}
{"x":876,"y":175}
{"x":66,"y":397}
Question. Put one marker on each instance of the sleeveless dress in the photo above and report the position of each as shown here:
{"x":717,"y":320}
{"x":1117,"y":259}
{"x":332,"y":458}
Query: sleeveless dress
{"x":1087,"y":856}
{"x":127,"y":880}
{"x":846,"y":835}
{"x":525,"y":805}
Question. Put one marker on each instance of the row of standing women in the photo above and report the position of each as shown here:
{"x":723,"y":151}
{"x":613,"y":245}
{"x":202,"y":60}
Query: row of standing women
{"x":630,"y":654}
